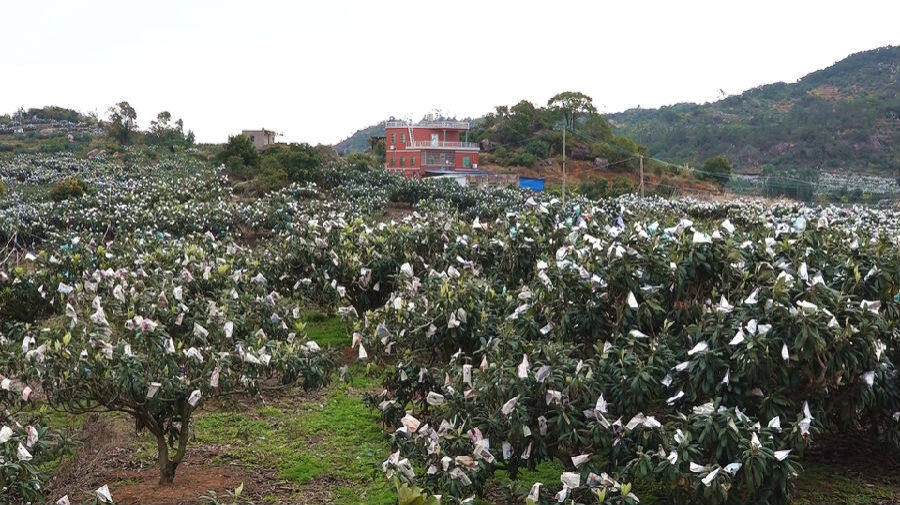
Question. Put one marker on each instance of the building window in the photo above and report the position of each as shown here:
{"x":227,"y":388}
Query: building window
{"x":467,"y":162}
{"x":252,"y":138}
{"x":393,"y":162}
{"x":402,"y":161}
{"x":393,"y":138}
{"x":412,"y":161}
{"x":402,"y":138}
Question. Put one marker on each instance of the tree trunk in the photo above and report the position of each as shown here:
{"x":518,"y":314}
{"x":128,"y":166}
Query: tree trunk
{"x":166,"y":467}
{"x":167,"y":464}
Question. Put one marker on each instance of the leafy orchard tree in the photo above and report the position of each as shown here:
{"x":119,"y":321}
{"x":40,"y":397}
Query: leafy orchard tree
{"x":156,"y":344}
{"x":717,"y":168}
{"x":121,"y":124}
{"x":26,"y":445}
{"x":571,"y":104}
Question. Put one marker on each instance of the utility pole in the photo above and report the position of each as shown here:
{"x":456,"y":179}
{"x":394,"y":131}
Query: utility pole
{"x":642,"y":176}
{"x":565,"y":127}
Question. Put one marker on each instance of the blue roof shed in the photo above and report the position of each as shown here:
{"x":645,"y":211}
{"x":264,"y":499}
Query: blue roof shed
{"x":532,"y":183}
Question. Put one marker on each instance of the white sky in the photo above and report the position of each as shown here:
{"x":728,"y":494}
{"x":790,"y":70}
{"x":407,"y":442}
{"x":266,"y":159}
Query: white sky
{"x":318,"y":71}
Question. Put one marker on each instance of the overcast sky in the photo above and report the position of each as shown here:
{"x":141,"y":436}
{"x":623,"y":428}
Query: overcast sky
{"x":318,"y":71}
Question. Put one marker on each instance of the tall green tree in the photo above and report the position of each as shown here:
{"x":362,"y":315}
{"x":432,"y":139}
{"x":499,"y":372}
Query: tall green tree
{"x":121,"y":126}
{"x":163,"y":132}
{"x":571,"y":104}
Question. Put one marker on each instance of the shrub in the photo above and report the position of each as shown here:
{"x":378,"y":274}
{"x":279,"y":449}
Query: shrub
{"x":72,"y":187}
{"x":537,"y":148}
{"x":272,"y":178}
{"x":598,"y":187}
{"x":55,"y":145}
{"x":22,"y":302}
{"x":524,"y":158}
{"x":716,"y":169}
{"x":363,"y":162}
{"x":242,"y":147}
{"x":235,"y":168}
{"x":301,"y":162}
{"x":2,"y":188}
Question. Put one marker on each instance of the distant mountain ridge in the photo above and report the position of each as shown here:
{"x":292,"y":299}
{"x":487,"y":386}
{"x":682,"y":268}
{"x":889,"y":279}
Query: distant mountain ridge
{"x":844,"y":117}
{"x":359,"y":141}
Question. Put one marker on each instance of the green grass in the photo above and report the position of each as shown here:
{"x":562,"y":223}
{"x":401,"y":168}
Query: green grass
{"x":338,"y":438}
{"x":547,"y":472}
{"x":350,"y":447}
{"x":819,"y":484}
{"x":326,"y":330}
{"x":63,"y":420}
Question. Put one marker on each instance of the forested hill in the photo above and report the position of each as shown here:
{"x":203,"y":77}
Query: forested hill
{"x":844,"y":117}
{"x":359,"y":141}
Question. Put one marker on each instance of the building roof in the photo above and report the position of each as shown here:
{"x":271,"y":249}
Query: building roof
{"x":444,"y":171}
{"x":447,"y":125}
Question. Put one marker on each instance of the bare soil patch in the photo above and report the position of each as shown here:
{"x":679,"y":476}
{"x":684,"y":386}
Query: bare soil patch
{"x":320,"y":490}
{"x":111,"y":455}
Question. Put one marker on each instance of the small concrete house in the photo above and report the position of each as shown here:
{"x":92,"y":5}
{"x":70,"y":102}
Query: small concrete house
{"x":261,"y":138}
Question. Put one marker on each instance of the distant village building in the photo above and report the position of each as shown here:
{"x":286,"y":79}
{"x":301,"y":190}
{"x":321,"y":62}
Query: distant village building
{"x":429,"y":148}
{"x":260,"y":138}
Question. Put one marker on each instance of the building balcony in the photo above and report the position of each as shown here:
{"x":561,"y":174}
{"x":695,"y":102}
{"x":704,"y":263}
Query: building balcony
{"x":438,"y":144}
{"x":445,"y":125}
{"x":447,"y":165}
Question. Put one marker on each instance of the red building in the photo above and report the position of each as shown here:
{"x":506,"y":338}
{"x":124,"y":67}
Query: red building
{"x":429,"y":147}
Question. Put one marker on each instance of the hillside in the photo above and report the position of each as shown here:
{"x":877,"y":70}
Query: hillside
{"x":844,"y":117}
{"x":46,"y":129}
{"x":359,"y":141}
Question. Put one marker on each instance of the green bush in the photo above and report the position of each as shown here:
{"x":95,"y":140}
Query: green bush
{"x":716,"y":169}
{"x":63,"y":189}
{"x":363,"y":162}
{"x":242,"y":147}
{"x":235,"y":168}
{"x":55,"y":145}
{"x":301,"y":162}
{"x":597,"y":188}
{"x":2,"y":188}
{"x":6,"y":148}
{"x":537,"y":148}
{"x":272,"y":177}
{"x":22,"y":302}
{"x":524,"y":158}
